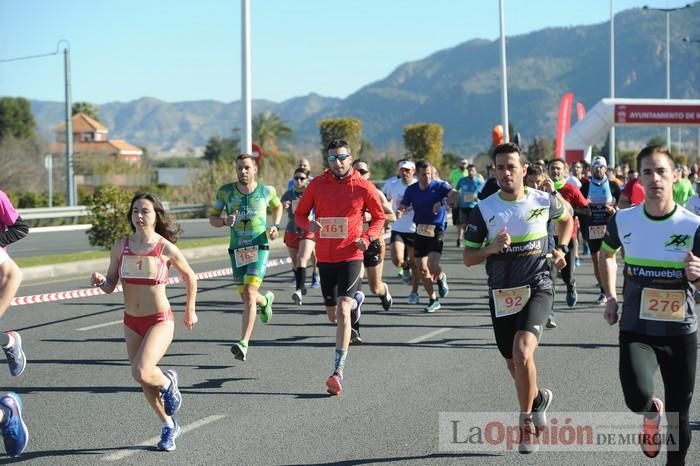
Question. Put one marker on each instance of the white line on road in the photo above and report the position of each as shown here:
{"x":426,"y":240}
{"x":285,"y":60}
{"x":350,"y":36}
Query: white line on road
{"x":121,"y":454}
{"x":82,"y":329}
{"x":430,"y":335}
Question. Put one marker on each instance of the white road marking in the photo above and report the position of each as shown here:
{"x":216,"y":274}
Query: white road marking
{"x":92,"y":327}
{"x":429,"y":335}
{"x":121,"y":454}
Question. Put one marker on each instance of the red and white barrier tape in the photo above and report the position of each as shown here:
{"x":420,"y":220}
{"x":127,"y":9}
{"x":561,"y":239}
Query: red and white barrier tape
{"x":87,"y":292}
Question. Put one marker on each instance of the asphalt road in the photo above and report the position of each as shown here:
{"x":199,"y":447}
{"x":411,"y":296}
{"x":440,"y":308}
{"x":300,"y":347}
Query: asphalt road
{"x":83,"y":408}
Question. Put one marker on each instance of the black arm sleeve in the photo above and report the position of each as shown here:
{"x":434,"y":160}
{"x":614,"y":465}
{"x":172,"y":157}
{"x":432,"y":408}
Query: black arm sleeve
{"x":14,"y":232}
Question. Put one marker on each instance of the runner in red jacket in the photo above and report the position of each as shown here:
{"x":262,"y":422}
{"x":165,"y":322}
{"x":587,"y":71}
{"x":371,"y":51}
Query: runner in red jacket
{"x":340,"y":198}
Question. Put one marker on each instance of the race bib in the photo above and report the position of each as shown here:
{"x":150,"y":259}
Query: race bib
{"x":426,"y":230}
{"x":469,"y":197}
{"x":334,"y":227}
{"x":245,"y":256}
{"x":663,"y":305}
{"x":596,"y":231}
{"x":295,"y":203}
{"x":509,"y":301}
{"x":139,"y":266}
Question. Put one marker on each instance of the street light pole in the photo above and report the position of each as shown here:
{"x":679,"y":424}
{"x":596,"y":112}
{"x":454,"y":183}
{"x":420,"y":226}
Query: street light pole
{"x":668,"y":12}
{"x":246,"y":97}
{"x":611,"y":145}
{"x":71,"y":196}
{"x":504,"y":78}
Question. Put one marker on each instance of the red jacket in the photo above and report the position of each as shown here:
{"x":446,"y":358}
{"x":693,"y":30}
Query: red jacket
{"x":340,"y":204}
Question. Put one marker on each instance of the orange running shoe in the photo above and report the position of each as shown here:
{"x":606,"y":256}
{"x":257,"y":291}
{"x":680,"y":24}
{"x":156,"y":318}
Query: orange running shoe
{"x":334,"y":384}
{"x":651,"y":437}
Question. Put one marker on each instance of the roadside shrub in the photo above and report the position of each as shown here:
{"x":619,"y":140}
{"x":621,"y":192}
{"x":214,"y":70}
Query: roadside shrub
{"x":109,"y":206}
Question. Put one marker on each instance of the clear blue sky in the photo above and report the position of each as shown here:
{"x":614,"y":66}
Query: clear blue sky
{"x":179,"y":50}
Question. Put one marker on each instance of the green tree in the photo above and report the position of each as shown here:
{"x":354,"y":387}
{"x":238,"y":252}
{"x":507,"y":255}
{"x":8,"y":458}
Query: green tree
{"x":424,"y":141}
{"x":349,"y":129}
{"x":540,"y":149}
{"x":268,"y":128}
{"x":657,"y":141}
{"x":109,"y":206}
{"x":220,"y":149}
{"x":86,"y":109}
{"x":16,"y":118}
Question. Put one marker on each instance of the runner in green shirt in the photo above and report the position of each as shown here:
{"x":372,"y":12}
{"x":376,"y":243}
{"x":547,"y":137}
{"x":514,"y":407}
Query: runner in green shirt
{"x":245,"y":203}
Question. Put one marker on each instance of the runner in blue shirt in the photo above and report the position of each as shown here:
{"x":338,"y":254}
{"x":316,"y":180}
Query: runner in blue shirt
{"x":428,"y":198}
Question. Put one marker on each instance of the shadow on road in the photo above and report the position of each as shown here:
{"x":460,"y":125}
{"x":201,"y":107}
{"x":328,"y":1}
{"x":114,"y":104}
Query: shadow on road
{"x":398,"y":459}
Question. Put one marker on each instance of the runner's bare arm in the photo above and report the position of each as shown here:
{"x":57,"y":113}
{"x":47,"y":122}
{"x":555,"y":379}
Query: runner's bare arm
{"x":109,"y":282}
{"x":177,"y":259}
{"x":474,"y":256}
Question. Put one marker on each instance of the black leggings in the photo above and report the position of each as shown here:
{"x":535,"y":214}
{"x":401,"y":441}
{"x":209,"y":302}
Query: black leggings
{"x":567,"y":272}
{"x":675,"y":356}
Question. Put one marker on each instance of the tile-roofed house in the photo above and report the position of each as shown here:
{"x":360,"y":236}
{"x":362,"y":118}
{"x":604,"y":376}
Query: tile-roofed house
{"x":90,"y":137}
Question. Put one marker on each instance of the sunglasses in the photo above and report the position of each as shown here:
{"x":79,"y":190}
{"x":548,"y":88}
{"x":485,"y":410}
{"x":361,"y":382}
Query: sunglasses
{"x":340,"y":157}
{"x":362,"y":171}
{"x":300,"y":178}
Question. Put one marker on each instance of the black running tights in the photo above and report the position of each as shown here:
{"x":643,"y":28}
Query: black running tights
{"x":675,"y":356}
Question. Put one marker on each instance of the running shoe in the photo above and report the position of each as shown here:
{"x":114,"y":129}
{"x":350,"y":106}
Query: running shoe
{"x":266,"y":310}
{"x":168,"y":436}
{"x":528,"y":435}
{"x":315,"y":281}
{"x":413,"y":298}
{"x":400,"y":273}
{"x":459,"y":242}
{"x":651,"y":439}
{"x":577,"y":262}
{"x":239,"y":350}
{"x":539,"y":413}
{"x":443,"y":289}
{"x":407,"y":275}
{"x":172,"y":399}
{"x":355,"y":338}
{"x":387,"y":300}
{"x":15,"y":355}
{"x":433,"y":306}
{"x":571,"y":296}
{"x":602,"y":300}
{"x":296,"y":297}
{"x":14,"y":431}
{"x":551,"y":323}
{"x":334,"y":384}
{"x":357,"y":311}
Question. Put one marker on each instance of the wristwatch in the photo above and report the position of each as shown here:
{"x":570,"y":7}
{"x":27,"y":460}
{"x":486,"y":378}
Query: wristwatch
{"x":563,"y":248}
{"x":276,"y":225}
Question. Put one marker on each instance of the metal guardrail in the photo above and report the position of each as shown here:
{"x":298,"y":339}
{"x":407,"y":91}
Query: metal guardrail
{"x":43,"y":213}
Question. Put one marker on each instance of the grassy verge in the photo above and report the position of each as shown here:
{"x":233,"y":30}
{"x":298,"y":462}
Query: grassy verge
{"x":87,"y":255}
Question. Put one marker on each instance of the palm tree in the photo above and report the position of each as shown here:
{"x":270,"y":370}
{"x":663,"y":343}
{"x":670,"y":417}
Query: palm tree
{"x":268,"y":128}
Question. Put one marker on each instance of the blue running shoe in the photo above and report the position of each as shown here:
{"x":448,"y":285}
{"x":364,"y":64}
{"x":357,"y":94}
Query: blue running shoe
{"x":172,"y":399}
{"x":15,"y":355}
{"x":315,"y":281}
{"x":168,"y":436}
{"x":577,"y":262}
{"x":14,"y":430}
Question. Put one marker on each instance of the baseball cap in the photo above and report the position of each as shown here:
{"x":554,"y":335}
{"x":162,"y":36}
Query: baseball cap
{"x":407,"y":164}
{"x":599,"y":161}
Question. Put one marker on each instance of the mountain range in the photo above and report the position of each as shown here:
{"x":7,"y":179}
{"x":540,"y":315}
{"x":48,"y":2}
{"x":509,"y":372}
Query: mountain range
{"x":458,"y":88}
